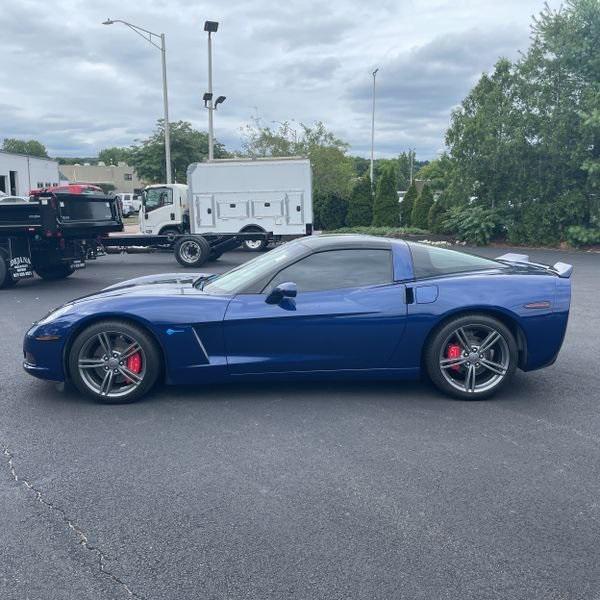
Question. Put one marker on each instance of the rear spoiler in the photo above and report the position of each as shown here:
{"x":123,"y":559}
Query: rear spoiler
{"x":560,"y":268}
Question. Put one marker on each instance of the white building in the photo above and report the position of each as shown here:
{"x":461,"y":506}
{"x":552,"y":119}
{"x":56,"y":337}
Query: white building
{"x":20,"y":173}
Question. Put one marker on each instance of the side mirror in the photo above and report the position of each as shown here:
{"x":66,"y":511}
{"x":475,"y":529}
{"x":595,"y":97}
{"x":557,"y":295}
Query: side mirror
{"x":283,"y":290}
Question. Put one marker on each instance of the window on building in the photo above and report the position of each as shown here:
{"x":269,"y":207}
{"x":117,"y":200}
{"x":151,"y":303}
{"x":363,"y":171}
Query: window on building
{"x":127,"y":176}
{"x":40,"y":184}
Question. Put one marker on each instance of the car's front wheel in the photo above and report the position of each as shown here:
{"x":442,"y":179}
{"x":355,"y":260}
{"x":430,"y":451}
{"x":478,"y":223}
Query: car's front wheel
{"x":471,"y":357}
{"x":114,"y":362}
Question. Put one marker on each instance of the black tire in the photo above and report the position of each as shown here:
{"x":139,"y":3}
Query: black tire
{"x":54,"y":272}
{"x":254,"y":245}
{"x":6,"y":281}
{"x":120,"y":335}
{"x":457,"y":376}
{"x":172,"y":232}
{"x":191,"y":251}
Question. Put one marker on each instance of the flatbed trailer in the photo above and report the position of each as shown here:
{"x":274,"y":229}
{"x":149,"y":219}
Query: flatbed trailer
{"x":54,"y":234}
{"x":190,"y":250}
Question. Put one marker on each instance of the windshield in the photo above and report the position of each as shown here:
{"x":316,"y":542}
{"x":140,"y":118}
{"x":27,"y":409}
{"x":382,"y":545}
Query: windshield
{"x":238,"y":279}
{"x":156,"y":197}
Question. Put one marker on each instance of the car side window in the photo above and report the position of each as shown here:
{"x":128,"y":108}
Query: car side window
{"x":430,"y":261}
{"x":337,"y":269}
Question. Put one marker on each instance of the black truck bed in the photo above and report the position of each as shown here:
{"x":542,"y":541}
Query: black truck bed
{"x":71,"y":215}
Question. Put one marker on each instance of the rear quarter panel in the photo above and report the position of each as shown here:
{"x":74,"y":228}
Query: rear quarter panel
{"x":501,"y":295}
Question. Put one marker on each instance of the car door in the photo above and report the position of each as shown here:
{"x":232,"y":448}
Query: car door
{"x":348,"y":314}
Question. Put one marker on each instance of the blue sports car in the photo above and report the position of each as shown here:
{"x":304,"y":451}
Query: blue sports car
{"x":344,"y":306}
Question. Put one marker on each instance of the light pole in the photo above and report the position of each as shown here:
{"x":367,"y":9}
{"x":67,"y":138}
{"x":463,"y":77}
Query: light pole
{"x":149,"y":36}
{"x":211,"y":27}
{"x":373,"y":130}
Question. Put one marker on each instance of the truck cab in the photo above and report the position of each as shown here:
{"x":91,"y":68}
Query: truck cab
{"x":164,"y":209}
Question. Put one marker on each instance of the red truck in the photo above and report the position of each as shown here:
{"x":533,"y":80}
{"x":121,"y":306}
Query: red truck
{"x":71,"y":188}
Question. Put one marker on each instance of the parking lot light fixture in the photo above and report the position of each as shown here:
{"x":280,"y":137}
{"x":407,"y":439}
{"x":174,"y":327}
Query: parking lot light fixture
{"x":211,"y":27}
{"x":158,"y":41}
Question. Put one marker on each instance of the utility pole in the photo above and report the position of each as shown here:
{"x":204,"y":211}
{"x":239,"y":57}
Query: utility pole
{"x":373,"y":131}
{"x":163,"y":53}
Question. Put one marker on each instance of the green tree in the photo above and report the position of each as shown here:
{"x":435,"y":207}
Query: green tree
{"x":435,"y":218}
{"x":330,"y":211}
{"x":114,"y":155}
{"x":386,"y":210}
{"x":436,"y":173}
{"x":333,"y":170}
{"x":407,"y":167}
{"x":73,"y":160}
{"x":31,"y":147}
{"x":525,"y":142}
{"x":188,"y":145}
{"x":420,"y":213}
{"x":407,"y":205}
{"x":360,"y":205}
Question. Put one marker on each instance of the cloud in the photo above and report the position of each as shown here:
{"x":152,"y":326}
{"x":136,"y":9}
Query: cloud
{"x":79,"y":86}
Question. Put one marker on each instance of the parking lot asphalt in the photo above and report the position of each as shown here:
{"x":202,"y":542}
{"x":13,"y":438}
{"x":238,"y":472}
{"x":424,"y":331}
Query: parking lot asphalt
{"x":307,"y":491}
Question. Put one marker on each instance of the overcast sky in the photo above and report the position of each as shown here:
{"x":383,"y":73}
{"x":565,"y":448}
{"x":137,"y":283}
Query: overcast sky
{"x":79,"y":86}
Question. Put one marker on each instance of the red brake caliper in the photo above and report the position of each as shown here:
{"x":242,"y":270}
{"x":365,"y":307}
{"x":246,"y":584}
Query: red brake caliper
{"x":134,"y":363}
{"x":453,"y":351}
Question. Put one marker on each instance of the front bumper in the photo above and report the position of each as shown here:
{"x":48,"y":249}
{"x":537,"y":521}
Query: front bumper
{"x":43,"y":359}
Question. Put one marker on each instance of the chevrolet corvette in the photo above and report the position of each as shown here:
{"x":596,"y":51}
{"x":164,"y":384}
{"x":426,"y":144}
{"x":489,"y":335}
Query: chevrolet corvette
{"x":344,"y":306}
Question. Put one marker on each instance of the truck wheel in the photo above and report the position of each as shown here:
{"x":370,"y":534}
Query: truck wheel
{"x":254,"y":245}
{"x":191,"y":251}
{"x":170,"y":232}
{"x":52,"y":272}
{"x":6,"y":281}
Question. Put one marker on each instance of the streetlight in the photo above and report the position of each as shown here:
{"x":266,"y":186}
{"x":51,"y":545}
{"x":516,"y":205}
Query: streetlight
{"x":149,"y":37}
{"x":373,"y":129}
{"x":211,"y":27}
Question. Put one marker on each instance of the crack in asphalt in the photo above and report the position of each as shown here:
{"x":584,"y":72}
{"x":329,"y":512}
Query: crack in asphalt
{"x":82,"y":538}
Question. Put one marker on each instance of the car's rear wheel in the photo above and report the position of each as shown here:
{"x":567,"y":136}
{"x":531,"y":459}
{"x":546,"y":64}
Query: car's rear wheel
{"x":471,"y":357}
{"x":114,"y":362}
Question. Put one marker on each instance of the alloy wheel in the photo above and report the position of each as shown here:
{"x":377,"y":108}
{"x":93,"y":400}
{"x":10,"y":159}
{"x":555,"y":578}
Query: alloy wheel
{"x":474,"y":358}
{"x":112,"y":364}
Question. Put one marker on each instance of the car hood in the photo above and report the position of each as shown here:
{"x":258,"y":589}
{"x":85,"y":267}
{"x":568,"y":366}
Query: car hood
{"x":179,"y":280}
{"x":164,"y":284}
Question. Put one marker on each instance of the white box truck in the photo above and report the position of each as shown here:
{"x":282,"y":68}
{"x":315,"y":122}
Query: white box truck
{"x":228,"y":203}
{"x":251,"y":195}
{"x":271,"y":195}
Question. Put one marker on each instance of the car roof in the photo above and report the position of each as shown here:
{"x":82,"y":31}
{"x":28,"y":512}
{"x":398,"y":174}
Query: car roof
{"x":347,"y":240}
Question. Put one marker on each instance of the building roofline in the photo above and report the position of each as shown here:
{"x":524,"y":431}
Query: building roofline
{"x":29,"y":156}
